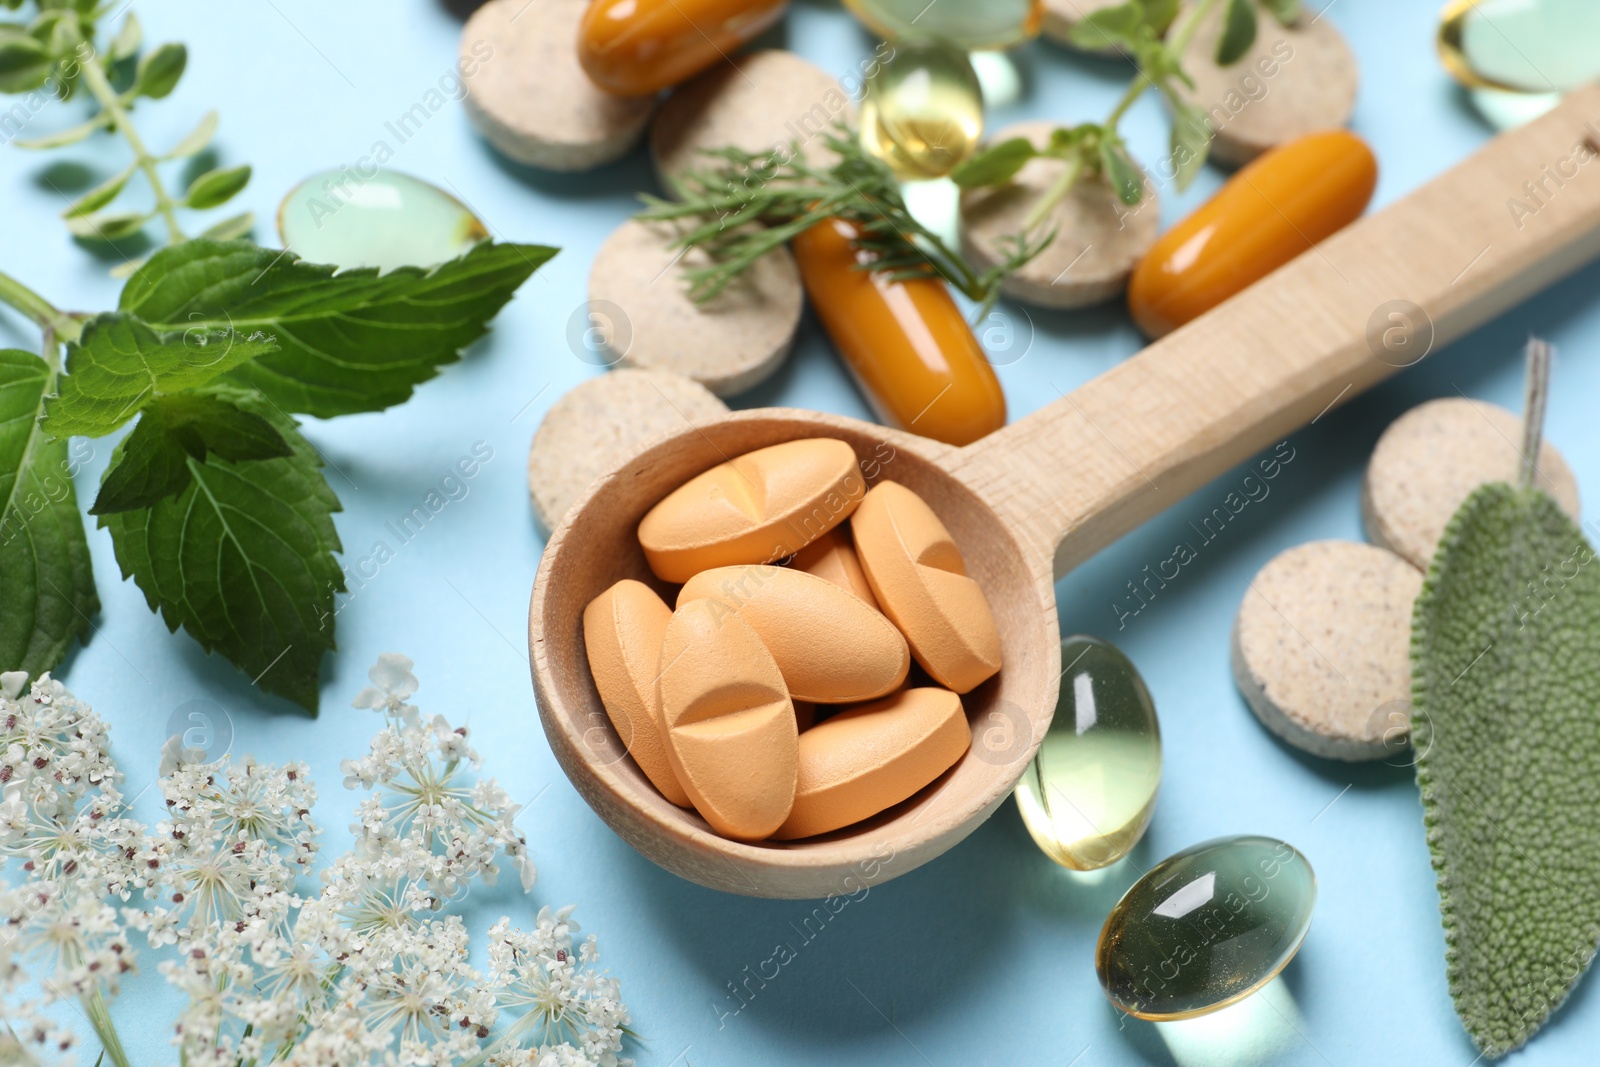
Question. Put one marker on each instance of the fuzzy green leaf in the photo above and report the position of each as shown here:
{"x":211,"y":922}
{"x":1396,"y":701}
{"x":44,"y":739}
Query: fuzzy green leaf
{"x":46,"y":581}
{"x":351,"y":341}
{"x":152,"y":463}
{"x":119,"y":364}
{"x":1505,"y":650}
{"x":1238,"y":32}
{"x":243,"y":560}
{"x":216,"y":187}
{"x":995,"y":164}
{"x":160,"y":70}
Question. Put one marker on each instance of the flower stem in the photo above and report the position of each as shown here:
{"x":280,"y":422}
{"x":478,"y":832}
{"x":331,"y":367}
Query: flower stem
{"x":104,"y":1029}
{"x":1055,"y":194}
{"x":40,"y":310}
{"x":94,"y":75}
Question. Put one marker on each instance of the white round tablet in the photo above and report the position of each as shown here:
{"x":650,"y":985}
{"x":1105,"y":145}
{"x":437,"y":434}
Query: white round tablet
{"x":1322,"y":647}
{"x":529,"y":97}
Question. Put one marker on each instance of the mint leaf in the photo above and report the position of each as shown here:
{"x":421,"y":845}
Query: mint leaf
{"x":1238,"y":32}
{"x":119,"y":364}
{"x":351,"y":341}
{"x":152,"y":463}
{"x":243,"y":559}
{"x":46,"y":581}
{"x":995,"y":164}
{"x":1505,"y":650}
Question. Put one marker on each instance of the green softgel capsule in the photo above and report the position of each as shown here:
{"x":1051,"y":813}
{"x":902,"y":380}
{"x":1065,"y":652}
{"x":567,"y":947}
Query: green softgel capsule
{"x":969,"y":24}
{"x":387,"y":220}
{"x":1088,"y":795}
{"x":922,"y":112}
{"x":1206,"y":927}
{"x":1525,"y":46}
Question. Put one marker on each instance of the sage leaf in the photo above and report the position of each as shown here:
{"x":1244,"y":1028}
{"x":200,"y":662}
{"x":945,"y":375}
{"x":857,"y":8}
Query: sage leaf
{"x":1505,"y":650}
{"x":216,"y":187}
{"x":152,"y":463}
{"x":243,"y":559}
{"x":119,"y":364}
{"x":348,"y":341}
{"x":1238,"y":32}
{"x":46,"y":581}
{"x":159,"y":71}
{"x":996,"y":164}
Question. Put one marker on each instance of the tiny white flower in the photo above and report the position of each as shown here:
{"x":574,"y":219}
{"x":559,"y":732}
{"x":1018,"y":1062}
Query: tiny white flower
{"x":11,"y":683}
{"x":392,"y":683}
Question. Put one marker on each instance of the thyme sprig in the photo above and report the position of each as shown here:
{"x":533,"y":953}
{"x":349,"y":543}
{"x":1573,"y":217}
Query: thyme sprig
{"x":748,"y":203}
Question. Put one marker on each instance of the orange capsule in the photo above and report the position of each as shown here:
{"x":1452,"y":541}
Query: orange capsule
{"x":634,"y":47}
{"x":1267,"y":214}
{"x":905,"y":341}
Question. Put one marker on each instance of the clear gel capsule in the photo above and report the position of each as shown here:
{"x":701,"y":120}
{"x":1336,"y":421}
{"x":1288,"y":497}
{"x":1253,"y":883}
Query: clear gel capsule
{"x":968,"y":24}
{"x":388,"y":220}
{"x":1088,"y":795}
{"x":1206,"y":927}
{"x":1526,"y":46}
{"x":922,"y":112}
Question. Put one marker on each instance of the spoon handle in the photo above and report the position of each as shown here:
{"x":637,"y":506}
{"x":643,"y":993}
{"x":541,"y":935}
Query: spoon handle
{"x":1378,"y":296}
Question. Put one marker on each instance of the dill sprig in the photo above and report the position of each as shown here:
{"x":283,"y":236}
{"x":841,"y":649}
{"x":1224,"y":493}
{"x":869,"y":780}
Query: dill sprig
{"x":749,"y":203}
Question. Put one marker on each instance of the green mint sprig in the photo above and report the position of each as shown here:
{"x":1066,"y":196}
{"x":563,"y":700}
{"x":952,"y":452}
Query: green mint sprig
{"x":1155,"y":34}
{"x":216,"y":504}
{"x":57,"y":52}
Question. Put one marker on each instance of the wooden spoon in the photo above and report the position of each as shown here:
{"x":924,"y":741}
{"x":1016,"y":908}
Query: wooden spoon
{"x":1040,"y":496}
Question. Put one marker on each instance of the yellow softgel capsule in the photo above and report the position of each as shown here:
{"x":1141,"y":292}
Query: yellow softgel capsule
{"x":922,"y":113}
{"x":1524,"y":46}
{"x":1089,"y":793}
{"x":966,"y":23}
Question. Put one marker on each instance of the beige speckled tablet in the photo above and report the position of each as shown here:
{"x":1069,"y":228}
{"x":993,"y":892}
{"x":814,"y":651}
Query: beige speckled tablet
{"x":759,"y":101}
{"x":728,"y":344}
{"x":601,"y":423}
{"x":528,"y":96}
{"x":1061,"y":15}
{"x":1322,"y":641}
{"x":1294,"y":80}
{"x":1430,"y":460}
{"x":1098,"y":239}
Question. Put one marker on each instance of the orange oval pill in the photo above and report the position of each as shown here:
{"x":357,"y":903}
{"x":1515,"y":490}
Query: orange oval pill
{"x":833,"y":557}
{"x":829,"y":645}
{"x":917,"y":574}
{"x":634,"y":47}
{"x":904,"y":340}
{"x":869,"y":758}
{"x":731,"y":734}
{"x":758,"y":508}
{"x":622,"y":633}
{"x":1267,"y":214}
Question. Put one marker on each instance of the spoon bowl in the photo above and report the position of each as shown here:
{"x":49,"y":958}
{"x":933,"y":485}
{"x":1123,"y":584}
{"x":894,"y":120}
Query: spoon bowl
{"x":1027,"y":503}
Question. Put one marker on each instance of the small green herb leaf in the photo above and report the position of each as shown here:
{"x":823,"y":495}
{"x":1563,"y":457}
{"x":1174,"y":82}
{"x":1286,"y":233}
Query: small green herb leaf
{"x":347,"y":342}
{"x":152,"y":462}
{"x":1158,"y":14}
{"x":996,"y":164}
{"x":1122,"y":172}
{"x":108,"y":226}
{"x":196,"y":139}
{"x":1505,"y":652}
{"x":1191,"y":142}
{"x":24,"y":64}
{"x":125,"y":45}
{"x":216,"y":187}
{"x":243,"y":559}
{"x":230,"y":228}
{"x":46,"y":581}
{"x":1110,"y":27}
{"x":160,"y":70}
{"x":1238,"y":31}
{"x":99,"y":196}
{"x":62,"y":138}
{"x":1285,"y":11}
{"x":120,"y":363}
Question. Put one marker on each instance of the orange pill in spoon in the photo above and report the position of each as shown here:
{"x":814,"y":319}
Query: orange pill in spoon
{"x":871,"y":757}
{"x":917,"y":574}
{"x":758,"y":508}
{"x":622,"y":633}
{"x":731,"y":733}
{"x":833,"y":557}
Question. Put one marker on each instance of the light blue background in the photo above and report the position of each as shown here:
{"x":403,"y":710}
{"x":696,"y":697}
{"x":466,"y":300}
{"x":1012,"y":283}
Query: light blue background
{"x":985,"y":955}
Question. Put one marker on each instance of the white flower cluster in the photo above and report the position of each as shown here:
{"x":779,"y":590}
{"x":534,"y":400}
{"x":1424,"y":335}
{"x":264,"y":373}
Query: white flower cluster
{"x":369,"y":970}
